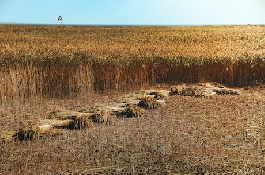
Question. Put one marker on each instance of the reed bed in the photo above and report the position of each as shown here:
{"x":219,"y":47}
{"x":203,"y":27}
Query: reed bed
{"x":66,"y":62}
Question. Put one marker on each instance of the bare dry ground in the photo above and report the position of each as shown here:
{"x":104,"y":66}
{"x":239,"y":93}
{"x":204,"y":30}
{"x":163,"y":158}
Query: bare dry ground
{"x":218,"y":135}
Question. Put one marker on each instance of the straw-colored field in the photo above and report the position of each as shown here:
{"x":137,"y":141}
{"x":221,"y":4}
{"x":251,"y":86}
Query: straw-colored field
{"x":40,"y":61}
{"x":47,"y":72}
{"x":222,"y":134}
{"x":123,"y":43}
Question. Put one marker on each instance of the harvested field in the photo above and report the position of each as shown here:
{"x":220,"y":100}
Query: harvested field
{"x":189,"y":135}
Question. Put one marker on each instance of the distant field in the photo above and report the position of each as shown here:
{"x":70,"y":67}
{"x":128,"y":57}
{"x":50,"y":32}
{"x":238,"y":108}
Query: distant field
{"x":125,"y":43}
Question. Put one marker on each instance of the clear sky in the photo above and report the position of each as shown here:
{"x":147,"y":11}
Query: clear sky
{"x":133,"y":12}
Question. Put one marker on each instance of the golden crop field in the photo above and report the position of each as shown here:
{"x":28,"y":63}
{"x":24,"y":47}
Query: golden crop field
{"x":123,"y":43}
{"x":132,"y":99}
{"x":72,"y":61}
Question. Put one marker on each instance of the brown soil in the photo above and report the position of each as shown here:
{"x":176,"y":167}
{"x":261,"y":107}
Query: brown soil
{"x":188,"y":135}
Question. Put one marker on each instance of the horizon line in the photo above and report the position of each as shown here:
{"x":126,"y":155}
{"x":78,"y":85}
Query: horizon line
{"x":154,"y":25}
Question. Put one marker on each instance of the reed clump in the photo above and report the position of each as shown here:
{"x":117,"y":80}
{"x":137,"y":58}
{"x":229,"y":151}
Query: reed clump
{"x":65,"y":62}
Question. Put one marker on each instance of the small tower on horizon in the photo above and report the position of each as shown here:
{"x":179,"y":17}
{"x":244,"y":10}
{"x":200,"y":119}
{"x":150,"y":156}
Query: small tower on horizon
{"x":60,"y":20}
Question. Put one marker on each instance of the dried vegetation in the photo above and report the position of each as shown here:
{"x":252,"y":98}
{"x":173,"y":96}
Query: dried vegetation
{"x":186,"y":128}
{"x":189,"y":135}
{"x":59,"y":62}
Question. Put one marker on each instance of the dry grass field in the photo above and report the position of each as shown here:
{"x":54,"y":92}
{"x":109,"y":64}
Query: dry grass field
{"x":68,"y":61}
{"x":46,"y":68}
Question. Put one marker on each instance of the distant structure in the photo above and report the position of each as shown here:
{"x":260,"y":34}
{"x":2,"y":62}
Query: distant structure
{"x":60,"y":20}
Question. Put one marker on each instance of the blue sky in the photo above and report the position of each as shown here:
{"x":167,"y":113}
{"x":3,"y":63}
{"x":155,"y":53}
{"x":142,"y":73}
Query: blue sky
{"x":133,"y":12}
